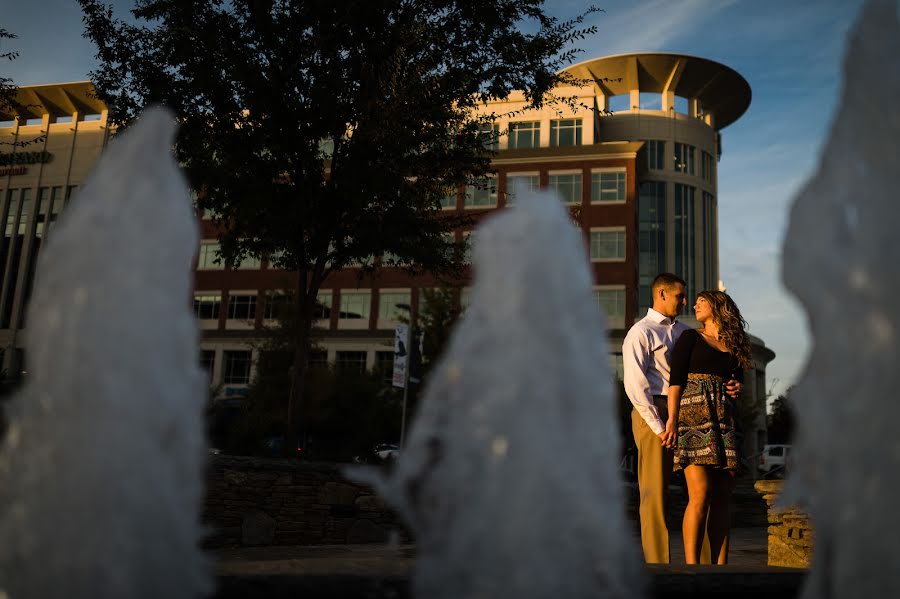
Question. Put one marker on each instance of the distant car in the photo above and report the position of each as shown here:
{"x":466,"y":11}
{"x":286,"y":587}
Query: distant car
{"x":380,"y":454}
{"x":773,"y":461}
{"x":387,"y":451}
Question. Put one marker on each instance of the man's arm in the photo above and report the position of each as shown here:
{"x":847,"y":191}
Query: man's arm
{"x":637,"y":358}
{"x":670,"y":435}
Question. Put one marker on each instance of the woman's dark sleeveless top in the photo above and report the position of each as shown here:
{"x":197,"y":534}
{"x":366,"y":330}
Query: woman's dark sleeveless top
{"x":692,"y":354}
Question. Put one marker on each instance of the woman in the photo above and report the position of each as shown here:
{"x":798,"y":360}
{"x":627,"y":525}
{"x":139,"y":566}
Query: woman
{"x":704,"y":418}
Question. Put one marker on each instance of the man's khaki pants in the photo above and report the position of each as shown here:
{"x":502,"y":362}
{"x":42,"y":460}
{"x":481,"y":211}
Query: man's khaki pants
{"x":654,"y":469}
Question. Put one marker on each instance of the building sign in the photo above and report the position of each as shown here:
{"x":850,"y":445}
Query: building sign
{"x":12,"y":170}
{"x":10,"y":159}
{"x":13,"y":163}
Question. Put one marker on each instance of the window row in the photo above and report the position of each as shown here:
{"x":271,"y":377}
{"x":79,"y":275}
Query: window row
{"x":606,"y":186}
{"x":236,"y":366}
{"x":683,"y":159}
{"x":208,"y":259}
{"x":392,"y":305}
{"x":352,"y":305}
{"x":527,"y":134}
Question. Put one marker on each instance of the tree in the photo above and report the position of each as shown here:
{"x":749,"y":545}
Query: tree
{"x":437,"y":316}
{"x":7,"y":88}
{"x":325,"y":133}
{"x":780,"y":420}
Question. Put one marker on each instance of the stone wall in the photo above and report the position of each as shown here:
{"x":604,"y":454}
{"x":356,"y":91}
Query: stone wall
{"x":790,"y":531}
{"x":253,"y":501}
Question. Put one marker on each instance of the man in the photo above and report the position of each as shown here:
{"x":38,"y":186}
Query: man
{"x":645,"y":354}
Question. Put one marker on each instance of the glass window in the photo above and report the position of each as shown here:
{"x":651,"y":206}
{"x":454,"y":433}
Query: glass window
{"x":208,"y":258}
{"x":448,"y":201}
{"x":617,"y":365}
{"x":608,"y":245}
{"x":465,"y":298}
{"x":490,"y":136}
{"x":71,"y":192}
{"x":384,"y":366}
{"x":684,"y":158}
{"x":651,"y":238}
{"x":249,"y":263}
{"x":568,"y":187}
{"x":526,"y":134}
{"x":242,"y":307}
{"x":26,"y":211}
{"x":322,"y":309}
{"x":481,"y":193}
{"x":277,"y":305}
{"x":56,"y":204}
{"x":355,"y":305}
{"x":565,"y":132}
{"x":206,"y":306}
{"x":43,"y":210}
{"x":706,"y":165}
{"x":608,"y":186}
{"x":685,"y":248}
{"x":351,"y":361}
{"x":650,"y":100}
{"x":13,"y":197}
{"x":207,"y":361}
{"x":707,"y":244}
{"x":317,"y":359}
{"x":236,"y":367}
{"x":620,"y":103}
{"x":531,"y":183}
{"x":468,"y":239}
{"x":656,"y":154}
{"x":612,"y":301}
{"x":387,"y":304}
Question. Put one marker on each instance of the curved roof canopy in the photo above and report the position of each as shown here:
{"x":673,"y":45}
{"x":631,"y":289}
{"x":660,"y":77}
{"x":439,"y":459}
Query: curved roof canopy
{"x":57,"y":99}
{"x":721,"y":90}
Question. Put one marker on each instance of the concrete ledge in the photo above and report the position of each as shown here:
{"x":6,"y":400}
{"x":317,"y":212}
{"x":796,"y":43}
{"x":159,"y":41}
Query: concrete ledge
{"x":701,"y":582}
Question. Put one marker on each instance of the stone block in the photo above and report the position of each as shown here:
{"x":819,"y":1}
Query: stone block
{"x":235,"y":477}
{"x":786,"y":555}
{"x":257,"y":528}
{"x":370,"y":503}
{"x":333,"y":493}
{"x":366,"y":531}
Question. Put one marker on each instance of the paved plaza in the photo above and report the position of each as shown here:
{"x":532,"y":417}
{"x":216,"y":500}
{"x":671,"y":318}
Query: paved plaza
{"x":383,"y":571}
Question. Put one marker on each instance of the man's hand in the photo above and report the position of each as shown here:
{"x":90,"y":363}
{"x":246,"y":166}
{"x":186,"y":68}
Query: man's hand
{"x":669,"y":437}
{"x":733,"y":388}
{"x":666,"y":439}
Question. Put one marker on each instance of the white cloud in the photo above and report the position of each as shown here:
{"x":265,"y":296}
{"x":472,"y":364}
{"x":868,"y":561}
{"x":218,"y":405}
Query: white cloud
{"x":653,"y":25}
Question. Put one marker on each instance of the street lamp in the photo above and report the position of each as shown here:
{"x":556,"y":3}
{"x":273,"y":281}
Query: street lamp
{"x":409,"y":354}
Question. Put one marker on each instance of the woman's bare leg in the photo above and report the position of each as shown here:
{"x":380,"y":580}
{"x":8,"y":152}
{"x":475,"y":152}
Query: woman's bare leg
{"x":718,"y":526}
{"x":694,"y":523}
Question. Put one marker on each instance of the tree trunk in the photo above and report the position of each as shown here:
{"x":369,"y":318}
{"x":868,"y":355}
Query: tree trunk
{"x":295,"y":433}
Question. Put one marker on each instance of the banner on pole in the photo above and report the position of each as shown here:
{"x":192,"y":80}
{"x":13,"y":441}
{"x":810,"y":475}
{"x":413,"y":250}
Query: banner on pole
{"x":401,"y":354}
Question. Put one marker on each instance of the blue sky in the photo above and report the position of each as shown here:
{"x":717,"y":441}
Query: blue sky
{"x":790,"y":51}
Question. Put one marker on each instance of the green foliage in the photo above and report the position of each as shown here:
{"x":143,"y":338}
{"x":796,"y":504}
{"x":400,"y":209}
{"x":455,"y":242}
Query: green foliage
{"x":748,"y":411}
{"x":323,"y":134}
{"x":345,"y":413}
{"x":328,"y":131}
{"x":438,"y":313}
{"x":7,"y":87}
{"x":780,"y":420}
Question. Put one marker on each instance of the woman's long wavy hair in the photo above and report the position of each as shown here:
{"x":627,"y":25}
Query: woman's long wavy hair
{"x":731,"y":325}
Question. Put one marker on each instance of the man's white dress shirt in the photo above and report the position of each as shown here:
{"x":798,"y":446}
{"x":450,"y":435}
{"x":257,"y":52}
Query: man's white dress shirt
{"x":645,"y":354}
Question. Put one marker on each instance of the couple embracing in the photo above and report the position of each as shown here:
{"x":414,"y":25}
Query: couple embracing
{"x":684,"y":384}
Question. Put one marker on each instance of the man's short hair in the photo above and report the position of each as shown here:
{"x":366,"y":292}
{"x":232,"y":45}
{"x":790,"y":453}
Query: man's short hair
{"x":665,"y":280}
